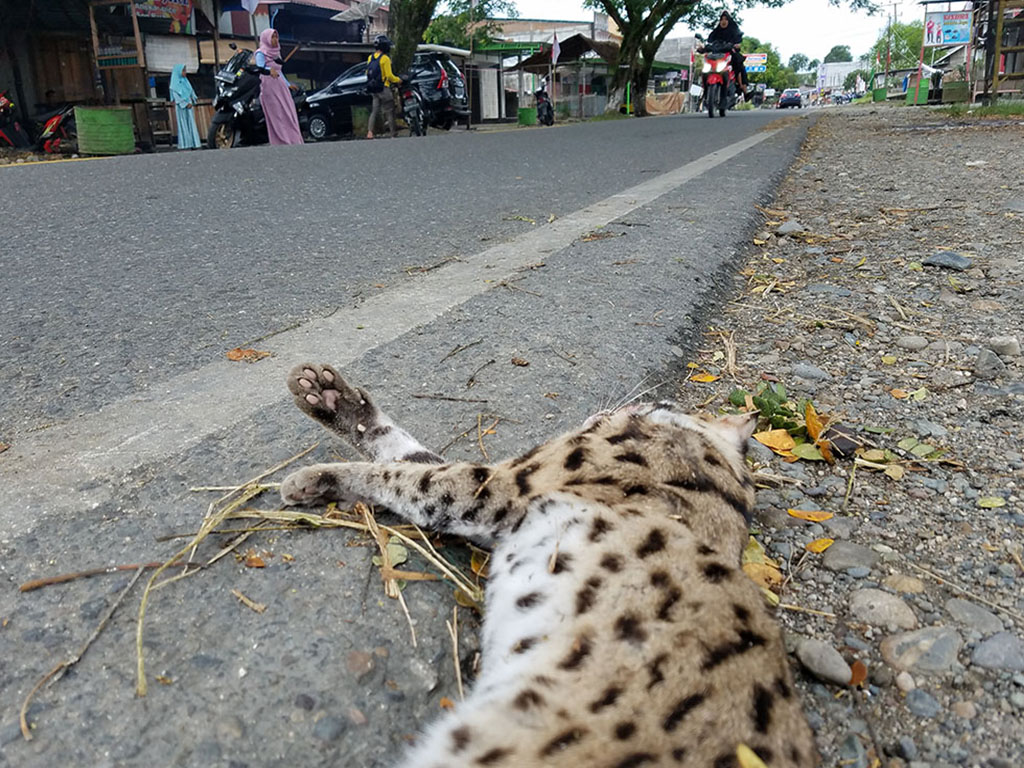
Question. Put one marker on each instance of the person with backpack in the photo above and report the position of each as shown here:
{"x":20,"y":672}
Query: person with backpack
{"x":379,"y":79}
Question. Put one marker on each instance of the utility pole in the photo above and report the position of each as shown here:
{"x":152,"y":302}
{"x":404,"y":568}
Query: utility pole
{"x":888,"y":45}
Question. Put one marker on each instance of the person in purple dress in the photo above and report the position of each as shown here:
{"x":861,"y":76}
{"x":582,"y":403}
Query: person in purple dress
{"x":275,"y":95}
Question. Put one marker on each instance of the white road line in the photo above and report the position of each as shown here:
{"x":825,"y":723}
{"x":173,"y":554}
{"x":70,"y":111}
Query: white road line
{"x":42,"y":471}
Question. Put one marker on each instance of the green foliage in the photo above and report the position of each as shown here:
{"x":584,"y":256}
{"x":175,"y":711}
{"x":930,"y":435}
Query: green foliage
{"x":814,"y":64}
{"x":798,"y":62}
{"x":773,"y":403}
{"x":452,"y":26}
{"x":775,"y":75}
{"x":904,"y":43}
{"x":838,"y":53}
{"x":851,"y":79}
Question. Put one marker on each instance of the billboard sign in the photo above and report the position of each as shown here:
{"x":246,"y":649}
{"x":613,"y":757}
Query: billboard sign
{"x":947,"y":28}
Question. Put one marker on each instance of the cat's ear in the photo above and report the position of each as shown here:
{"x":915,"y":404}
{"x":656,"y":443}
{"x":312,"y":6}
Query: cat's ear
{"x":737,"y":429}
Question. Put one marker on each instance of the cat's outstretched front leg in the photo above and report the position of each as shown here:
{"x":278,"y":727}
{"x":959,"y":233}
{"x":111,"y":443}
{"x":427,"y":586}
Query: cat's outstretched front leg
{"x":323,"y":395}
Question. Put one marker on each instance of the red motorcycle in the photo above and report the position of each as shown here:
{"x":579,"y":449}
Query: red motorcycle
{"x":719,"y":79}
{"x":58,"y":127}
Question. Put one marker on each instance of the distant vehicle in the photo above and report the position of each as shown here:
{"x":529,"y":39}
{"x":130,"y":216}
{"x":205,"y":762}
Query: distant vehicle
{"x":433,"y":74}
{"x":791,"y":98}
{"x":719,"y":80}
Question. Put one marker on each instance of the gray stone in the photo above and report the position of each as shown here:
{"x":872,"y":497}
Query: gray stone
{"x":948,"y":260}
{"x":807,"y":371}
{"x":1005,"y":345}
{"x":988,"y":365}
{"x":852,"y":753}
{"x":1015,"y":204}
{"x":927,"y":428}
{"x":846,"y":554}
{"x":833,"y":290}
{"x":823,"y":661}
{"x":841,"y":527}
{"x":329,"y":728}
{"x":790,"y":227}
{"x":906,"y":748}
{"x":1001,"y":651}
{"x":882,"y":609}
{"x":973,"y":615}
{"x":858,"y":572}
{"x":932,"y":649}
{"x":913,"y":343}
{"x":922,"y":703}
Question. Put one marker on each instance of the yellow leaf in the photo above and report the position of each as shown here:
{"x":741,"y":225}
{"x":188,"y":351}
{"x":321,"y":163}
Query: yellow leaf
{"x":478,"y":563}
{"x":777,"y":260}
{"x":747,"y":757}
{"x":704,"y":378}
{"x":859,"y":673}
{"x":814,"y":422}
{"x":770,"y":596}
{"x":874,"y":454}
{"x":759,"y":242}
{"x":889,"y":359}
{"x":819,"y":545}
{"x":762,"y":574}
{"x":899,"y":394}
{"x":779,"y":440}
{"x":446,"y":703}
{"x":691,"y":366}
{"x":813,"y":515}
{"x":238,"y":355}
{"x":895,"y":471}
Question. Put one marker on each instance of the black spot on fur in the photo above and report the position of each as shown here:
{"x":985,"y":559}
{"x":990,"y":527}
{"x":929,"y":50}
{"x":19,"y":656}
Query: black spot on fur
{"x":529,"y":600}
{"x":704,"y":549}
{"x":483,"y":494}
{"x":523,"y":478}
{"x":629,"y":628}
{"x":600,"y":528}
{"x":608,"y":698}
{"x":562,"y":740}
{"x":524,"y":645}
{"x":423,"y":457}
{"x":575,"y":459}
{"x":429,"y":510}
{"x":764,"y":753}
{"x":494,"y":756}
{"x":631,"y":432}
{"x":501,"y":514}
{"x":424,"y":484}
{"x":655,"y":542}
{"x":518,"y":523}
{"x":611,"y":563}
{"x":783,"y":689}
{"x":635,"y":490}
{"x":562,"y":563}
{"x":528,"y":698}
{"x":762,"y":708}
{"x":665,"y":609}
{"x":470,"y":515}
{"x":605,"y":480}
{"x":587,"y":595}
{"x":516,"y":566}
{"x":543,"y":680}
{"x":726,"y":760}
{"x":654,"y":670}
{"x":741,"y":613}
{"x":386,"y":476}
{"x":634,"y":760}
{"x":525,"y":457}
{"x":460,"y":738}
{"x":682,"y":708}
{"x":447,"y":499}
{"x":679,"y":754}
{"x":720,"y":654}
{"x":624,"y":730}
{"x":794,"y":754}
{"x":480,"y":474}
{"x":712,"y":458}
{"x":716,"y":572}
{"x":660,"y":579}
{"x":632,"y":457}
{"x":577,"y":655}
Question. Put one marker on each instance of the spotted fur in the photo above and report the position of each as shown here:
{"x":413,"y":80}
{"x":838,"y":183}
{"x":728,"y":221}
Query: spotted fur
{"x":620,"y":630}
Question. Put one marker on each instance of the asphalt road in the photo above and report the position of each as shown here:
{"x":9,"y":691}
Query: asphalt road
{"x":125,"y":281}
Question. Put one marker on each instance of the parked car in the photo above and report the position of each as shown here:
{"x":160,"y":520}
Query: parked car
{"x":434,"y":74}
{"x":791,"y":98}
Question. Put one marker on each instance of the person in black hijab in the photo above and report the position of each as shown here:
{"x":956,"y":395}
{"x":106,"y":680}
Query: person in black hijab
{"x":728,"y":31}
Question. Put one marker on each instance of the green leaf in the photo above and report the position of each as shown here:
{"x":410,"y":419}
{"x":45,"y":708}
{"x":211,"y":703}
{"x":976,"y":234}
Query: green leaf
{"x":780,"y":389}
{"x":889,"y":359}
{"x":991,"y":502}
{"x":922,"y":449}
{"x":915,"y":266}
{"x":738,"y":397}
{"x":807,"y":451}
{"x":878,"y":430}
{"x":919,"y":394}
{"x":907,"y":443}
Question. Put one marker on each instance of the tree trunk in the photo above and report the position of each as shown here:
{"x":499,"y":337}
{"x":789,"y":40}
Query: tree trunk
{"x":407,"y":21}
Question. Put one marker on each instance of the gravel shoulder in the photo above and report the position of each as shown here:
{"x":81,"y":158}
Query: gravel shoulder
{"x":885,"y":287}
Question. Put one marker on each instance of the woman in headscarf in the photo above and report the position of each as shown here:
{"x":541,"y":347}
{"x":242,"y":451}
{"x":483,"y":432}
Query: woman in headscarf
{"x":275,"y":95}
{"x":184,"y":99}
{"x":728,"y":31}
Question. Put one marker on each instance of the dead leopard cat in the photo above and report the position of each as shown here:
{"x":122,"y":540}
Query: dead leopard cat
{"x":620,"y":630}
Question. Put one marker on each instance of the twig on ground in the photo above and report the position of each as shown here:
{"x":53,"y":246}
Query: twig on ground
{"x":422,"y":396}
{"x":460,"y":348}
{"x":944,"y":580}
{"x":58,"y":671}
{"x":28,"y":586}
{"x":391,"y":588}
{"x":453,"y":632}
{"x":480,"y":432}
{"x":472,"y":377}
{"x":562,"y":355}
{"x":258,"y":607}
{"x":800,"y":609}
{"x":729,"y":340}
{"x":849,"y":487}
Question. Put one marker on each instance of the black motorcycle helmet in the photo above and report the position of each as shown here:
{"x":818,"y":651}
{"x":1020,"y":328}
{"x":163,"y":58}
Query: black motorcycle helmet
{"x":382,"y":43}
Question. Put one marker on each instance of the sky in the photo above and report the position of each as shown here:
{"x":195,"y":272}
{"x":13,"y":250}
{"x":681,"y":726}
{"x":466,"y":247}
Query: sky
{"x":810,"y":27}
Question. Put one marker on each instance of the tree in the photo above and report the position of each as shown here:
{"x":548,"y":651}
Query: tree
{"x":813,"y":65}
{"x":851,"y":79}
{"x":407,"y":21}
{"x":452,"y":28}
{"x":905,"y":47}
{"x":798,"y":62}
{"x":838,"y":53}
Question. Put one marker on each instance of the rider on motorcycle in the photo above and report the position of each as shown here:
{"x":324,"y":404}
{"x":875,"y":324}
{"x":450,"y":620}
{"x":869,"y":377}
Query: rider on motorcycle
{"x":728,"y":31}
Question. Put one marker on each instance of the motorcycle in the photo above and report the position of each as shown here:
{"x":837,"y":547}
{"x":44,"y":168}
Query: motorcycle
{"x":413,"y":109}
{"x":545,"y":112}
{"x":58,"y":127}
{"x":13,"y":132}
{"x":238,"y":115}
{"x":718,"y":77}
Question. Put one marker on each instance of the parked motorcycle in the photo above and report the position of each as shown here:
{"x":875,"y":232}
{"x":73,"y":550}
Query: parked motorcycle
{"x":13,"y":133}
{"x":413,"y":109}
{"x":545,"y":112}
{"x":719,"y":80}
{"x":238,"y":115}
{"x":58,"y":129}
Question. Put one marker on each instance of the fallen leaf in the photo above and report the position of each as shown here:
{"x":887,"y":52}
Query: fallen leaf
{"x":859,"y":672}
{"x":748,"y":758}
{"x":446,"y":703}
{"x":899,"y":394}
{"x":239,"y":355}
{"x":819,"y":545}
{"x":837,"y":259}
{"x":693,"y":366}
{"x":812,"y":515}
{"x":991,"y":502}
{"x":762,"y":574}
{"x":464,"y":600}
{"x":777,"y":260}
{"x":920,"y":394}
{"x":779,"y":440}
{"x":164,"y":680}
{"x":874,"y":454}
{"x":754,"y":553}
{"x":922,"y":449}
{"x":813,"y":421}
{"x":551,"y":395}
{"x":889,"y":359}
{"x":4,"y":447}
{"x":287,"y":558}
{"x":759,"y":242}
{"x":519,"y":361}
{"x":704,"y":378}
{"x":397,"y":554}
{"x":808,"y":452}
{"x":253,"y":560}
{"x":478,"y":563}
{"x":770,"y":596}
{"x":895,"y":471}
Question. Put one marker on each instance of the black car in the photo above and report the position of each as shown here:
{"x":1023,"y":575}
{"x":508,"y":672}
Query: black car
{"x":433,"y":73}
{"x":791,"y":98}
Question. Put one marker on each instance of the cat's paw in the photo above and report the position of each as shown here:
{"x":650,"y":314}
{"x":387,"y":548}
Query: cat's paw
{"x":310,"y":485}
{"x":321,"y":393}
